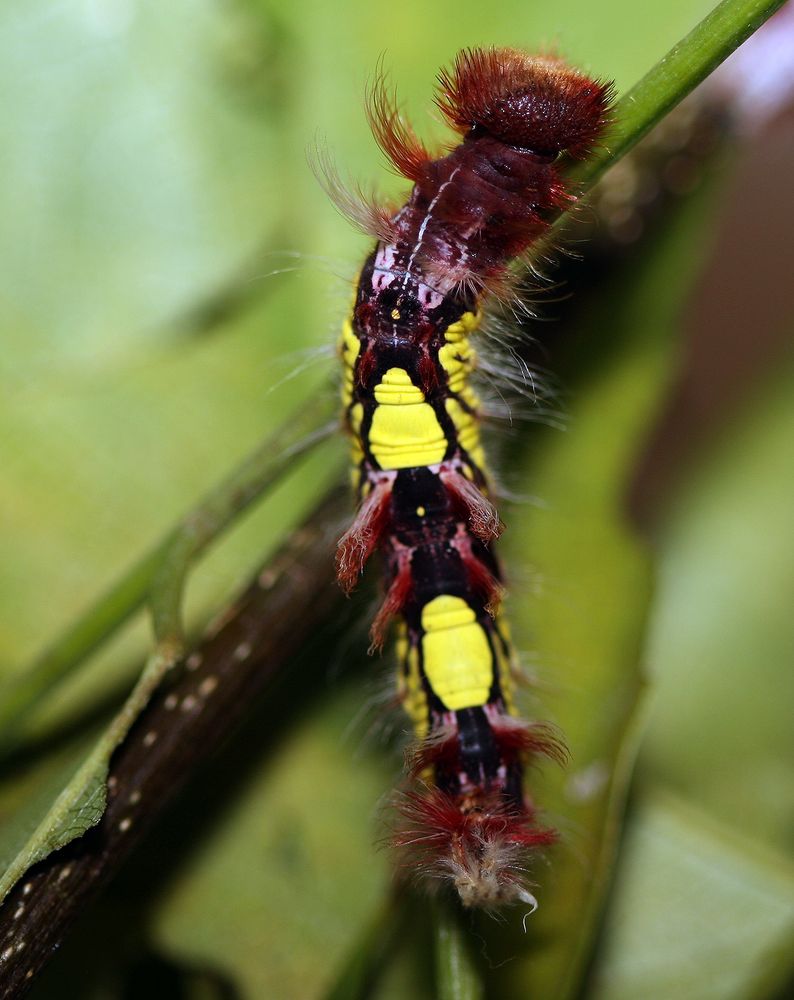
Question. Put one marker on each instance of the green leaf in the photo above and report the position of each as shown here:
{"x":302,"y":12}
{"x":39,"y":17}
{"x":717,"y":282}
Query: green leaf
{"x":722,"y":643}
{"x":699,"y":911}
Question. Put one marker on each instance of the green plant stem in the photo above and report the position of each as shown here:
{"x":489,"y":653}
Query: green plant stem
{"x":159,"y":577}
{"x":457,"y":977}
{"x":675,"y":75}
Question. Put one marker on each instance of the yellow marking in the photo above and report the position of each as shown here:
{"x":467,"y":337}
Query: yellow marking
{"x":461,"y":329}
{"x":457,"y":357}
{"x":405,"y":431}
{"x":420,"y":511}
{"x":466,"y":425}
{"x":505,"y":662}
{"x":468,"y":435}
{"x":349,"y":344}
{"x":457,"y":656}
{"x":349,"y":350}
{"x":356,"y":416}
{"x":458,"y":361}
{"x":410,"y":687}
{"x":395,"y":314}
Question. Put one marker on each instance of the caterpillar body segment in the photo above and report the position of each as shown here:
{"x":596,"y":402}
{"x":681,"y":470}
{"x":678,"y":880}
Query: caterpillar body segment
{"x":418,"y":466}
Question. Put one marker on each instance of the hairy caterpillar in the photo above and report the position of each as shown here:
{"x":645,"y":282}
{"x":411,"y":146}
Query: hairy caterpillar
{"x":419,"y":470}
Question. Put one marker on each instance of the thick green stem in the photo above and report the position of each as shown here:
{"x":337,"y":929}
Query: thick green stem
{"x":677,"y":74}
{"x":457,"y":976}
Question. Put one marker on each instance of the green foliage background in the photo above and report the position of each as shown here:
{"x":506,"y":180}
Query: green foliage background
{"x":154,"y":188}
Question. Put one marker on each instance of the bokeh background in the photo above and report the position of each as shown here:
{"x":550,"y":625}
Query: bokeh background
{"x":172,"y":275}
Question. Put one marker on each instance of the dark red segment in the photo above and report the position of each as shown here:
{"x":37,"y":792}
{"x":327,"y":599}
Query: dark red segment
{"x":515,"y":739}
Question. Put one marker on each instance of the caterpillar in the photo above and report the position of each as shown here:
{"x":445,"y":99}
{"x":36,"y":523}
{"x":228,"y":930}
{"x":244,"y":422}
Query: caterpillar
{"x":424,"y":493}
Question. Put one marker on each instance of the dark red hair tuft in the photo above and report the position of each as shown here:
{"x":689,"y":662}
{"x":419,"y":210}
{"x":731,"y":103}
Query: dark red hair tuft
{"x":363,"y":536}
{"x":403,"y":147}
{"x":393,"y":604}
{"x":518,"y":739}
{"x":537,"y":103}
{"x":442,"y":748}
{"x":434,"y":821}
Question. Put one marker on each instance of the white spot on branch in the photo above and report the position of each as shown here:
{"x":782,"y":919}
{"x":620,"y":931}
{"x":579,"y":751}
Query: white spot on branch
{"x":208,"y":685}
{"x":242,"y":652}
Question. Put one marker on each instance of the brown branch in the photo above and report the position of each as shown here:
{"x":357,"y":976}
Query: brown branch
{"x":182,"y":726}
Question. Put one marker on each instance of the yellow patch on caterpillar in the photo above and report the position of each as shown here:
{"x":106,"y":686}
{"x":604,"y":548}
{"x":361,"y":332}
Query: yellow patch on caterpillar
{"x":505,"y":662}
{"x":461,"y":328}
{"x":355,"y":414}
{"x":349,"y":344}
{"x":405,"y":431}
{"x":349,"y":348}
{"x":468,"y":433}
{"x":356,"y":417}
{"x":410,"y":688}
{"x":457,"y":357}
{"x":458,"y":362}
{"x":458,"y":662}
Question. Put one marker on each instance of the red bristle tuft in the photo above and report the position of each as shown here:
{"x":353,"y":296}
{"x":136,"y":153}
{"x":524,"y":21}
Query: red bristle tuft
{"x":534,"y":102}
{"x":480,"y":513}
{"x":516,"y":738}
{"x":478,"y":575}
{"x":525,"y":835}
{"x":442,"y":748}
{"x":363,"y":536}
{"x":482,"y":851}
{"x":428,"y":374}
{"x":394,"y":602}
{"x":366,"y":366}
{"x":363,"y":209}
{"x":405,"y":150}
{"x":432,"y":819}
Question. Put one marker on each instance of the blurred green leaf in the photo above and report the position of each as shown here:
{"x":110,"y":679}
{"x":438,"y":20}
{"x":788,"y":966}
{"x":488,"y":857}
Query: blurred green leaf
{"x":722,"y":643}
{"x":699,"y":912}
